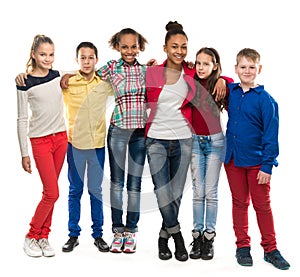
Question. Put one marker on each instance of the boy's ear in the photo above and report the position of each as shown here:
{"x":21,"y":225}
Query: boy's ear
{"x":235,"y":68}
{"x":259,"y":68}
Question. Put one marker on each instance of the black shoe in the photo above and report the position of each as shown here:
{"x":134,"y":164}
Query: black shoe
{"x":197,"y":245}
{"x":180,"y":251}
{"x":207,"y":246}
{"x":164,"y":252}
{"x":243,"y":256}
{"x":274,"y":257}
{"x":101,"y":244}
{"x":70,"y":244}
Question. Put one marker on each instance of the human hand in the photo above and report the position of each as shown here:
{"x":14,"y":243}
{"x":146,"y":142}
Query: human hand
{"x":26,"y":164}
{"x":220,"y":89}
{"x":20,"y":79}
{"x":64,"y":82}
{"x":263,"y":178}
{"x":190,"y":65}
{"x":151,"y":62}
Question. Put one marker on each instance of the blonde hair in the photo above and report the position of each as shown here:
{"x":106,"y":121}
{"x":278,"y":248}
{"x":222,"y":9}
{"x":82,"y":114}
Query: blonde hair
{"x":248,"y":53}
{"x":37,"y":41}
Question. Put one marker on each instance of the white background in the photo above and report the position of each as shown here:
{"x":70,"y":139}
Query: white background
{"x":271,"y":27}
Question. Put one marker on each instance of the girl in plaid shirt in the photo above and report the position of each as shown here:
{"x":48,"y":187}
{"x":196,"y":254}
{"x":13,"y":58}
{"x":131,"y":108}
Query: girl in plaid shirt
{"x":126,"y":131}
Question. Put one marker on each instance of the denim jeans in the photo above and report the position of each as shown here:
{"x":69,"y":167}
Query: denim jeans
{"x":169,"y":162}
{"x":79,"y":161}
{"x":207,"y":158}
{"x":120,"y":142}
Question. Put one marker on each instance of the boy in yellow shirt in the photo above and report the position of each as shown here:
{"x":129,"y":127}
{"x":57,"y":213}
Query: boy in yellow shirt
{"x":85,"y":102}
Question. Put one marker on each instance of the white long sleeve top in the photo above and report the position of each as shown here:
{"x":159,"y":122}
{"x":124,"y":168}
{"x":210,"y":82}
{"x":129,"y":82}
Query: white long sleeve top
{"x":43,"y":95}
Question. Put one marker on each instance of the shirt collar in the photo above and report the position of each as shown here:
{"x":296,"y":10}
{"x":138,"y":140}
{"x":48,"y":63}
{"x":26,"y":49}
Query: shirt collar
{"x":122,"y":62}
{"x":236,"y":86}
{"x":80,"y":77}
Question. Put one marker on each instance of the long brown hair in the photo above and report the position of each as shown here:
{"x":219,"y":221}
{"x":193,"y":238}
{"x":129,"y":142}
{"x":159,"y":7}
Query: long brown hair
{"x":213,"y":77}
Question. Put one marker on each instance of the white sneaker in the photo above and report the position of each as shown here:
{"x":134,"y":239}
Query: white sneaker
{"x":46,"y":248}
{"x":117,"y":243}
{"x":129,"y":242}
{"x":32,"y":248}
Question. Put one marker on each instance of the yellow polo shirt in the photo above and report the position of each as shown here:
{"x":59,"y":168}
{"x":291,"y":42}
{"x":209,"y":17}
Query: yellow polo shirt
{"x":85,"y":104}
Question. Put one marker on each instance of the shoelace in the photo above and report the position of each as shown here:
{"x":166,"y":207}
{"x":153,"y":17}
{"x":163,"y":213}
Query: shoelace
{"x":33,"y":243}
{"x":277,"y":256}
{"x":118,"y":237}
{"x":43,"y":243}
{"x":196,"y":243}
{"x":129,"y":238}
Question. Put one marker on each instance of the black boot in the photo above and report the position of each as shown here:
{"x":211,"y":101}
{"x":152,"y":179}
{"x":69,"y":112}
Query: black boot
{"x":164,"y":252}
{"x":207,"y":247}
{"x":197,"y":245}
{"x":180,"y":252}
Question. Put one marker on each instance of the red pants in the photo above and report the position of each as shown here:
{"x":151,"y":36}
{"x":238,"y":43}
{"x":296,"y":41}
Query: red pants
{"x":49,"y":154}
{"x":244,"y":186}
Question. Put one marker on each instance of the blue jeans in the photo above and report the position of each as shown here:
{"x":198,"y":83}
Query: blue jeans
{"x":120,"y":141}
{"x":169,"y":162}
{"x":207,"y":157}
{"x":79,"y":161}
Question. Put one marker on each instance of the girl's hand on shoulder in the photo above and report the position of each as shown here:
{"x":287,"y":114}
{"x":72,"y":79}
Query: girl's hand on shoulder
{"x":191,"y":65}
{"x":151,"y":62}
{"x":26,"y":164}
{"x":220,"y":89}
{"x":20,"y":79}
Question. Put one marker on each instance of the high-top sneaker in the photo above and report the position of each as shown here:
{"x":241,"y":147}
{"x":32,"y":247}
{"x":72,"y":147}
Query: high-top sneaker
{"x":180,"y":251}
{"x":197,"y":245}
{"x":207,"y":245}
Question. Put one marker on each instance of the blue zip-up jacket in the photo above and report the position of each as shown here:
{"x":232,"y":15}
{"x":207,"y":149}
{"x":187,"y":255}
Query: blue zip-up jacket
{"x":252,"y":128}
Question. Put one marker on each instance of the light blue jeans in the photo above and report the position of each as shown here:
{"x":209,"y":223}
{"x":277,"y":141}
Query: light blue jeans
{"x":126,"y":146}
{"x":207,"y":157}
{"x":169,"y":161}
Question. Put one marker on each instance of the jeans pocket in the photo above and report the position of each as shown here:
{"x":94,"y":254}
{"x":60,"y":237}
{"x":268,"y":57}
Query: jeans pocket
{"x":149,"y":142}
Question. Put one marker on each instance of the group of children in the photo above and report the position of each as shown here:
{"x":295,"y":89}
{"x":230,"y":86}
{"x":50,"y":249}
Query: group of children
{"x":182,"y":130}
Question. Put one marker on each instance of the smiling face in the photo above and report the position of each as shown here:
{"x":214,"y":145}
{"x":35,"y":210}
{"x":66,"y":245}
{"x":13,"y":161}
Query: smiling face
{"x":128,"y":47}
{"x":176,"y":50}
{"x":204,"y":65}
{"x":247,"y":71}
{"x":44,"y":57}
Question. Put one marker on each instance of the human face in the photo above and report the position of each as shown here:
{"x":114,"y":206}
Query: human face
{"x":176,"y":50}
{"x":44,"y":57}
{"x":128,"y":47}
{"x":247,"y":71}
{"x":204,"y":65}
{"x":87,"y":60}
